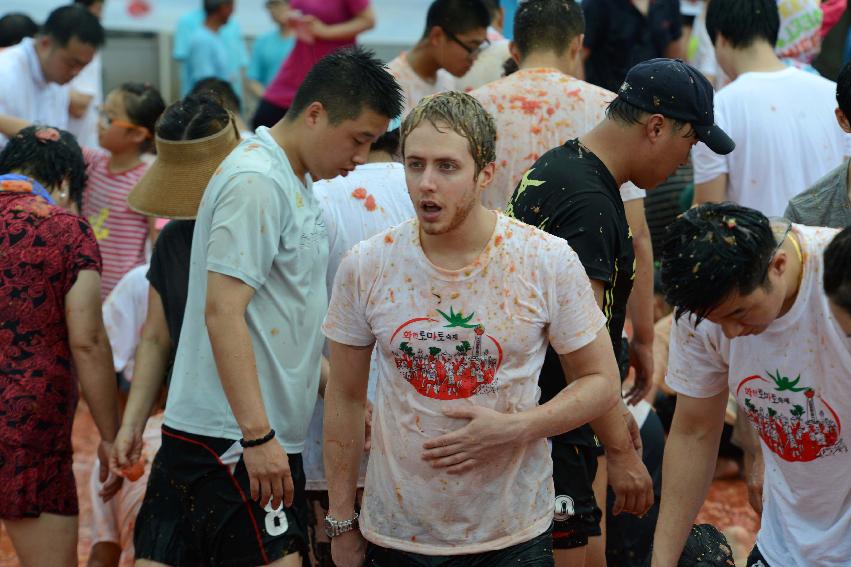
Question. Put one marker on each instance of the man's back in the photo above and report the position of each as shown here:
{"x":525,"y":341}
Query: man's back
{"x":786,"y":133}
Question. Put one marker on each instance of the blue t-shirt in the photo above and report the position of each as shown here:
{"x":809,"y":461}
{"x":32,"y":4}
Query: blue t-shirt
{"x":207,"y":56}
{"x":237,"y":53}
{"x":267,"y":55}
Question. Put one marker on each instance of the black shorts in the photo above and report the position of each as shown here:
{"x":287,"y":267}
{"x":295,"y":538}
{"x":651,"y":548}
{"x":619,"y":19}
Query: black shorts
{"x":198,"y":510}
{"x":537,"y":552}
{"x":576,"y":514}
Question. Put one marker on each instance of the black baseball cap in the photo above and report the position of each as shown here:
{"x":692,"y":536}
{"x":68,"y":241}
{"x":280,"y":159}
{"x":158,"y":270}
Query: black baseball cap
{"x":677,"y":90}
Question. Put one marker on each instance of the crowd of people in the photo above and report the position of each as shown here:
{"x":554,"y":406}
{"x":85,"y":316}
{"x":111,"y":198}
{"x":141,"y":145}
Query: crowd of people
{"x":255,"y":315}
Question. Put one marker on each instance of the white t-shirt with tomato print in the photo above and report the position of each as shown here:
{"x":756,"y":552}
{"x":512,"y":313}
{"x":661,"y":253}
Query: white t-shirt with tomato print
{"x":793,"y":381}
{"x":475,"y":336}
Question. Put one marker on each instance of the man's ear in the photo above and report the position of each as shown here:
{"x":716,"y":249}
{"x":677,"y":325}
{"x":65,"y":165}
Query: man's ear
{"x":485,"y":176}
{"x":653,"y":127}
{"x":436,"y":36}
{"x":512,"y":49}
{"x":843,"y":120}
{"x":313,"y":114}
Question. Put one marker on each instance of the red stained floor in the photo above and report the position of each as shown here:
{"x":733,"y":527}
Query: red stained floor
{"x":726,"y":507}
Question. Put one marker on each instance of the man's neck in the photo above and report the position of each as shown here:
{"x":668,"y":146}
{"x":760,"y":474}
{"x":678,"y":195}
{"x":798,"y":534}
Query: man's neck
{"x":213,"y":23}
{"x":286,"y":135}
{"x":794,"y":273}
{"x":606,"y":140}
{"x":757,"y":58}
{"x":379,"y":157}
{"x":547,"y":60}
{"x":422,"y":62}
{"x":461,"y":246}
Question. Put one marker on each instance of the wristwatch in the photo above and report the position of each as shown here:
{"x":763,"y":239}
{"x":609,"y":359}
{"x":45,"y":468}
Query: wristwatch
{"x":333,"y":527}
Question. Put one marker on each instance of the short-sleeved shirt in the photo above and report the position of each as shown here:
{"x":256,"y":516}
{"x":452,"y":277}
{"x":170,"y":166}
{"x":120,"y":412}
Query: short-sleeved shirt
{"x":267,"y":54}
{"x":571,"y":194}
{"x":458,"y":338}
{"x":124,"y":313}
{"x":43,"y":248}
{"x":792,"y":382}
{"x":261,"y":224}
{"x":824,"y":204}
{"x":619,"y":36}
{"x":283,"y":87}
{"x":414,"y":87}
{"x":230,"y":32}
{"x":169,"y":272}
{"x":25,"y":93}
{"x":208,"y":57}
{"x":88,"y":82}
{"x":536,"y":110}
{"x":121,"y":231}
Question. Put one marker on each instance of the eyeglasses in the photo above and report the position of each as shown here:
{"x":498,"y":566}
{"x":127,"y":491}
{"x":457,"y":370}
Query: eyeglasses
{"x":108,"y":121}
{"x":471,"y":51}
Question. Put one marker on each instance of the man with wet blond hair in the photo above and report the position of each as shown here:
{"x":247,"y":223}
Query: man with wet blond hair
{"x":461,"y":302}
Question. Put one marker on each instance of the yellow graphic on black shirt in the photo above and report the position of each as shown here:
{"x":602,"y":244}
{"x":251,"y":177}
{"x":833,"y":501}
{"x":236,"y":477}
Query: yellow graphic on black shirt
{"x":99,"y":224}
{"x":525,"y":182}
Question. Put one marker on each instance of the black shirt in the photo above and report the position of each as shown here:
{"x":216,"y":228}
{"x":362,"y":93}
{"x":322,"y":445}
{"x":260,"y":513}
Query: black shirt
{"x":169,"y":272}
{"x":570,"y":193}
{"x":619,"y":36}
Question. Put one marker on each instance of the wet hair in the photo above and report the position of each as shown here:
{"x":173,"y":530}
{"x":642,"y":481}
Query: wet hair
{"x":345,"y":82}
{"x":143,"y":105}
{"x":837,"y":270}
{"x":193,"y":117}
{"x":509,"y":67}
{"x":15,"y":27}
{"x":457,"y":16}
{"x":742,"y":22}
{"x":220,"y":89}
{"x":211,"y":6}
{"x":47,"y":161}
{"x":547,"y":25}
{"x":624,"y":112}
{"x":462,"y":114}
{"x":387,"y":142}
{"x":73,"y":20}
{"x":712,"y":251}
{"x":843,"y":90}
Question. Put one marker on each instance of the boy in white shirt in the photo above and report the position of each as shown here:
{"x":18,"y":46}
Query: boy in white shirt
{"x":755,"y":321}
{"x":461,"y":302}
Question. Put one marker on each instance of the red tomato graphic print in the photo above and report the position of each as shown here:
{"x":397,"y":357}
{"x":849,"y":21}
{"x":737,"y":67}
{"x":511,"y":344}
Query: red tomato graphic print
{"x":793,"y":421}
{"x":447,"y":362}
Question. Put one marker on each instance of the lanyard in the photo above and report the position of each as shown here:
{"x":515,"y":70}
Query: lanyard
{"x":34,"y":186}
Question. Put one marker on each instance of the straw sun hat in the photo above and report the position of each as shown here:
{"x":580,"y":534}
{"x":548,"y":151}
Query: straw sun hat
{"x":174,"y":184}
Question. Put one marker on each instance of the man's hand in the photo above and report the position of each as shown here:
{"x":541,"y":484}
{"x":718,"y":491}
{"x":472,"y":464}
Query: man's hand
{"x":348,"y":549}
{"x":126,"y":450}
{"x":634,"y":434}
{"x":630,"y":482}
{"x":755,"y":473}
{"x":483,"y":438}
{"x":111,"y":483}
{"x":640,"y":358}
{"x":269,"y":474}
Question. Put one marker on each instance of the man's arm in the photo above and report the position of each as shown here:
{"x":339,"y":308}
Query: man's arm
{"x":640,"y":306}
{"x":344,"y":431}
{"x":713,"y":191}
{"x":93,"y":362}
{"x":268,"y":469}
{"x":78,"y":103}
{"x":364,"y":20}
{"x":689,"y":463}
{"x":11,"y":125}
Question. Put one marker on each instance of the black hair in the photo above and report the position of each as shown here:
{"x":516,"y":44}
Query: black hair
{"x":74,"y":20}
{"x":493,"y":7}
{"x":624,"y":112}
{"x":221,"y":89}
{"x":211,"y":6}
{"x":15,"y":27}
{"x":47,"y":161}
{"x":843,"y":90}
{"x":837,"y":270}
{"x":509,"y":67}
{"x":387,"y":142}
{"x":193,"y":117}
{"x":742,"y":22}
{"x":547,"y":25}
{"x":88,"y":3}
{"x":345,"y":82}
{"x":457,"y":16}
{"x":712,"y":251}
{"x":144,"y":105}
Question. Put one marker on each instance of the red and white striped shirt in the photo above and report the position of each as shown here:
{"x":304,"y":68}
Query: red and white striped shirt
{"x":120,"y":231}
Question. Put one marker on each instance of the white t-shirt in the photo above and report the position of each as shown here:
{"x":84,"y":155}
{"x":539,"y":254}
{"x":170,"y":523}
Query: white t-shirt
{"x":24,"y":92}
{"x":89,"y":82}
{"x":414,"y":87}
{"x":786,"y":137}
{"x":793,"y":383}
{"x":372,"y":198}
{"x":261,"y":224}
{"x":474,"y":336}
{"x":124,"y":314}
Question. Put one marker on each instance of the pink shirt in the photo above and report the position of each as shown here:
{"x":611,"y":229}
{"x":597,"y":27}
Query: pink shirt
{"x":283,"y":87}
